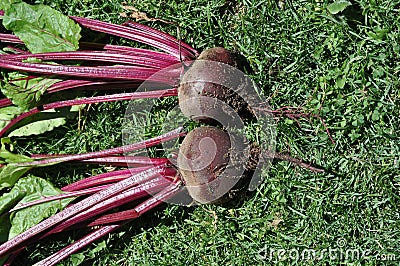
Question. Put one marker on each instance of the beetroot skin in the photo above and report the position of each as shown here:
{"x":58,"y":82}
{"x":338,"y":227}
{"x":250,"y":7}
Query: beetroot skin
{"x":199,"y":96}
{"x":203,"y":155}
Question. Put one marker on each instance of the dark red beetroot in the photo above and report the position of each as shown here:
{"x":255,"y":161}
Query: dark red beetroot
{"x":208,"y":93}
{"x":209,"y":81}
{"x":203,"y":155}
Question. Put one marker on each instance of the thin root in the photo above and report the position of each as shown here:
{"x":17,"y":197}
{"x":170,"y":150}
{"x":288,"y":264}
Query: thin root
{"x":296,"y":113}
{"x":296,"y":161}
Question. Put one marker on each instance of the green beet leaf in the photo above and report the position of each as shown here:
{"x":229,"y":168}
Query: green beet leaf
{"x":76,"y":259}
{"x":5,"y":4}
{"x":28,"y":189}
{"x":338,"y":6}
{"x":4,"y":228}
{"x":7,"y":157}
{"x":38,"y":123}
{"x":7,"y":114}
{"x":44,"y":121}
{"x":26,"y":92}
{"x":41,"y":28}
{"x":9,"y":172}
{"x":4,"y":231}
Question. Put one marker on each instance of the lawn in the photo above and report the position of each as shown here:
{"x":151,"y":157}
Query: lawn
{"x":344,"y":67}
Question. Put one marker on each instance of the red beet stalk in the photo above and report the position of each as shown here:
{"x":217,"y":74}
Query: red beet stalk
{"x":173,"y":47}
{"x":176,"y":133}
{"x":10,"y":38}
{"x":93,"y":236}
{"x":78,"y":245}
{"x":79,"y":207}
{"x":65,"y":195}
{"x":136,"y":32}
{"x":128,"y":214}
{"x":118,"y":72}
{"x":130,"y":161}
{"x":143,"y":60}
{"x":90,"y":100}
{"x":129,"y":195}
{"x":89,"y":84}
{"x":110,"y":177}
{"x":82,"y":192}
{"x":162,"y":35}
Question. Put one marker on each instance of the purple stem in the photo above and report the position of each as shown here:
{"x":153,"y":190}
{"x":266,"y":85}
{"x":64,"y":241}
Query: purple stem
{"x":118,"y":72}
{"x":5,"y":102}
{"x":119,"y":150}
{"x":93,"y":236}
{"x":77,"y":245}
{"x":90,"y":100}
{"x":113,"y":218}
{"x":94,"y":189}
{"x":120,"y":199}
{"x":89,"y":84}
{"x":163,"y":44}
{"x":129,"y":214}
{"x":12,"y":257}
{"x":131,"y":30}
{"x":65,"y":195}
{"x":70,"y":84}
{"x":10,"y":38}
{"x":82,"y":84}
{"x":161,"y":34}
{"x":16,"y":50}
{"x":109,"y":57}
{"x":101,"y":85}
{"x":110,"y":177}
{"x":77,"y":208}
{"x":131,"y":161}
{"x":129,"y":50}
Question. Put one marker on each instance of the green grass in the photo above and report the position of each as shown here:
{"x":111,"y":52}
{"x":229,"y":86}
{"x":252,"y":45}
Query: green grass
{"x":344,"y":67}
